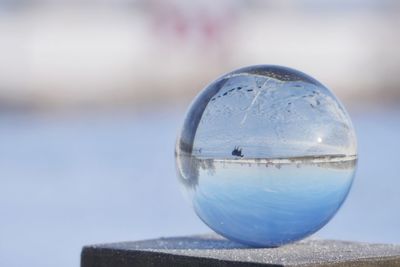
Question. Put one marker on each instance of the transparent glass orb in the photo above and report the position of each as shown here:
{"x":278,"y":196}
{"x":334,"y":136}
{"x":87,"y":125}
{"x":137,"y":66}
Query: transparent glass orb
{"x":266,"y":155}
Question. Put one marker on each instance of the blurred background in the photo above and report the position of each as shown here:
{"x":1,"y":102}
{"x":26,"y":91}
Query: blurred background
{"x":93,"y":92}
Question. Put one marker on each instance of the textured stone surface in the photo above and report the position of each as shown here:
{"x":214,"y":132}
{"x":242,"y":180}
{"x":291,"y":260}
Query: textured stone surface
{"x":212,"y":250}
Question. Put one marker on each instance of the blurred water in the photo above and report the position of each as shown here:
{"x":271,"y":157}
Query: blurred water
{"x":67,"y":181}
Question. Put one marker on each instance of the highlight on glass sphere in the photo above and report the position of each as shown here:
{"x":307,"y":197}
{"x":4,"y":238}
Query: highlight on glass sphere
{"x":266,"y":155}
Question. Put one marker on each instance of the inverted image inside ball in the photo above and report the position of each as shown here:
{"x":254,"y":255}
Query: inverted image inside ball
{"x":266,"y":155}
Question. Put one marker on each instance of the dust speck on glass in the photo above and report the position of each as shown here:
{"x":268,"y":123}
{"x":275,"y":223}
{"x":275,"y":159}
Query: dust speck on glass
{"x":266,"y":155}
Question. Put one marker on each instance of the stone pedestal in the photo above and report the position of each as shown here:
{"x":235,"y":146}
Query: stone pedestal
{"x":212,"y":250}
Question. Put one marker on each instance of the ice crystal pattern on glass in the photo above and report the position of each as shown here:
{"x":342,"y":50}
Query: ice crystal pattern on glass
{"x":266,"y":155}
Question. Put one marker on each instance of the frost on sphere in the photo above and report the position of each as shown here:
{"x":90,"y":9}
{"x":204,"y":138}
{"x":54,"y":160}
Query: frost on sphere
{"x":266,"y":155}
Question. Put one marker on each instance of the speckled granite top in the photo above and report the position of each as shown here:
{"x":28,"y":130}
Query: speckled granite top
{"x":212,"y":250}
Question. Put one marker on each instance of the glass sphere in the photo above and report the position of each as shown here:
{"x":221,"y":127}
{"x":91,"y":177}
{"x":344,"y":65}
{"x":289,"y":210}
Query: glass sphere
{"x":266,"y":155}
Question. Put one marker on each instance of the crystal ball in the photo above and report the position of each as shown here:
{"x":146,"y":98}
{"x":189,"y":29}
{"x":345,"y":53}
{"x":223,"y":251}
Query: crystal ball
{"x":266,"y":155}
